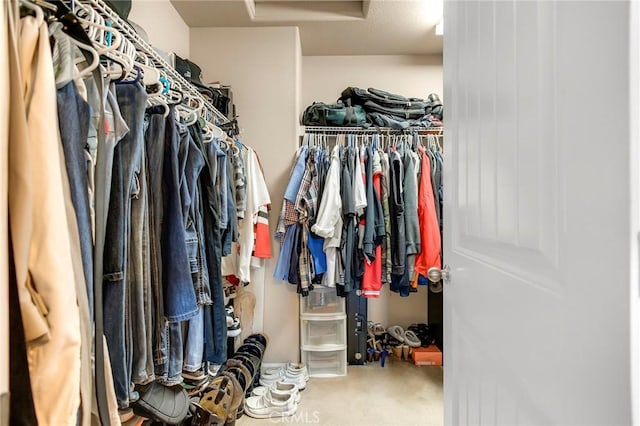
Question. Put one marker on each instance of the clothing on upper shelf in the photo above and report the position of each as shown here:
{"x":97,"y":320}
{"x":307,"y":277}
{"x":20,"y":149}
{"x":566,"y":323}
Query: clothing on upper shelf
{"x":357,"y":216}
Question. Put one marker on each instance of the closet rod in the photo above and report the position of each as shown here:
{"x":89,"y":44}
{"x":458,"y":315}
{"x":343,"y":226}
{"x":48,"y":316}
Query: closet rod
{"x":372,"y":130}
{"x":121,"y":25}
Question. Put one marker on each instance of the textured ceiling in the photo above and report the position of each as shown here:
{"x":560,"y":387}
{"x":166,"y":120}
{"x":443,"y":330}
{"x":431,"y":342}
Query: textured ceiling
{"x":331,"y":27}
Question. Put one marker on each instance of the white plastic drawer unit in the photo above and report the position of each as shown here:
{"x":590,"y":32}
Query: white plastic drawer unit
{"x":318,"y":332}
{"x":322,"y":301}
{"x":331,"y":363}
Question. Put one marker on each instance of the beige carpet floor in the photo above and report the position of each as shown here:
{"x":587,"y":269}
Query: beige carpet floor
{"x":400,"y":394}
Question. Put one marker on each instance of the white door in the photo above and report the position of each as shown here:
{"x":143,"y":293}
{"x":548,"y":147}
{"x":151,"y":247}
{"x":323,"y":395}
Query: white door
{"x":541,"y":212}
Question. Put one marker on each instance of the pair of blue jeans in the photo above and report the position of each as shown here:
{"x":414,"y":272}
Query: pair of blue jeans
{"x":138,"y":279}
{"x":74,"y":114}
{"x":195,"y":336}
{"x":154,"y":151}
{"x":117,"y":324}
{"x":178,"y":293}
{"x":215,"y":322}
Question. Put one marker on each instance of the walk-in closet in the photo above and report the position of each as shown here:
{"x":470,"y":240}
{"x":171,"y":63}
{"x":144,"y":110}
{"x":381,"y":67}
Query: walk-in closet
{"x":343,"y":212}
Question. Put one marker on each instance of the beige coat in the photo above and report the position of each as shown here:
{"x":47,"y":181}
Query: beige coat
{"x":4,"y":235}
{"x":40,"y":229}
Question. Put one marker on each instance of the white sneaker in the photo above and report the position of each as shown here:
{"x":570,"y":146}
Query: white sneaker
{"x":297,"y":380}
{"x":280,"y":388}
{"x":234,"y":329}
{"x":297,"y":369}
{"x":270,"y":405}
{"x":270,"y":375}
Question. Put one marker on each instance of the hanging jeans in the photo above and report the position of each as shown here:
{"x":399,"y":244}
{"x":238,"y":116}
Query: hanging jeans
{"x":194,"y":347}
{"x":132,"y":99}
{"x":138,"y":278}
{"x":215,"y":322}
{"x":73,"y":115}
{"x":154,"y":142}
{"x":194,"y":338}
{"x":178,"y":293}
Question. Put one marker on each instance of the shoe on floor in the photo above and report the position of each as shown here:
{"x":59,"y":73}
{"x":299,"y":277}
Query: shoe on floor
{"x":194,"y":387}
{"x":270,"y":376}
{"x":291,"y":374}
{"x":412,"y":339}
{"x":406,"y":350}
{"x":126,"y":415}
{"x":234,"y":329}
{"x":194,"y":377}
{"x":397,"y":351}
{"x":270,"y":405}
{"x":278,"y":388}
{"x":396,"y":332}
{"x":375,"y":328}
{"x":297,"y":380}
{"x":370,"y":354}
{"x":295,"y":369}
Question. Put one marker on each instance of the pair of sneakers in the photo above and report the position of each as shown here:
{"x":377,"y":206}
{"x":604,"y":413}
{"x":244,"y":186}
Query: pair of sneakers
{"x":407,"y":337}
{"x":278,"y":388}
{"x":291,"y":373}
{"x":277,"y":400}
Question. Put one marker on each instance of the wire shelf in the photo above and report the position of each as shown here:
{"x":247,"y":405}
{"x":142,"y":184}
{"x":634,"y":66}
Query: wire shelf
{"x":121,"y":25}
{"x":372,"y":130}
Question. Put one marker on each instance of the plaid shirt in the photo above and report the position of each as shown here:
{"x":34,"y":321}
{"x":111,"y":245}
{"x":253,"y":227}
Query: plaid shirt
{"x":307,"y":199}
{"x":288,"y":216}
{"x":304,"y":263}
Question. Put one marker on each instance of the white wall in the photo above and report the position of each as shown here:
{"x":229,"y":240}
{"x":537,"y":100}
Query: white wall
{"x":262,"y":66}
{"x":323,"y":79}
{"x":166,"y":29}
